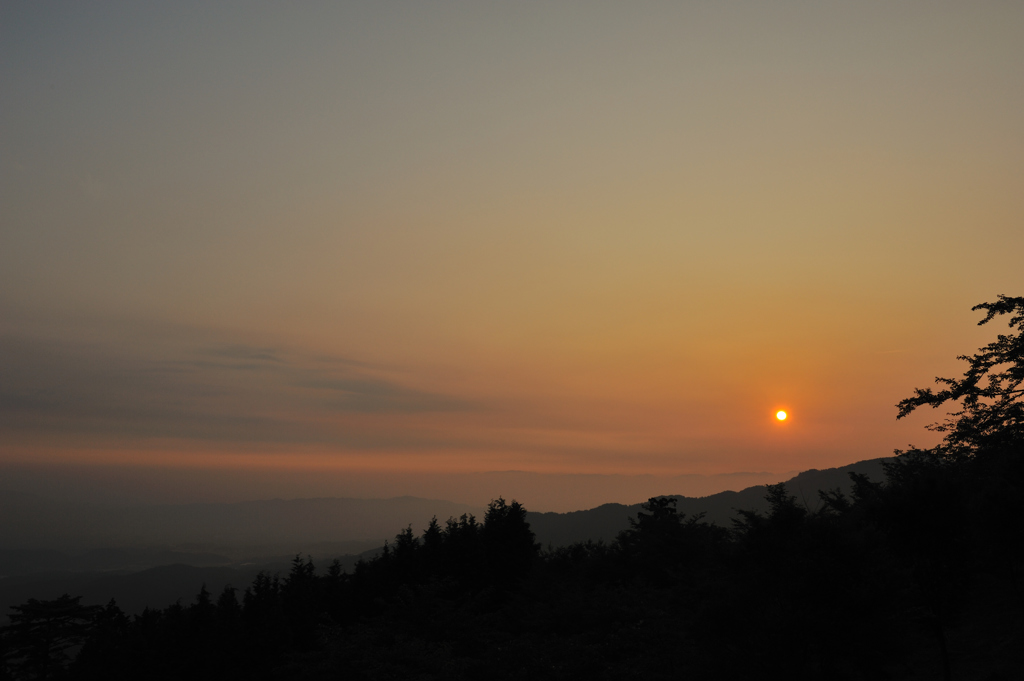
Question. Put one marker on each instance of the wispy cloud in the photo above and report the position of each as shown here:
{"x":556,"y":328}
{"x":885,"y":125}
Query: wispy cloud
{"x":197,"y":390}
{"x":375,"y":395}
{"x":248,"y":352}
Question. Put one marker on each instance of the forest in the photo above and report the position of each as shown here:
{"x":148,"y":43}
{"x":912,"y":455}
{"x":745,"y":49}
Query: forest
{"x":918,"y":575}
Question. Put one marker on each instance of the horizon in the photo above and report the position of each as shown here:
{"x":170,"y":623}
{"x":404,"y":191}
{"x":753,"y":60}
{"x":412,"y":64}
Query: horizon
{"x":117,"y":487}
{"x":373,"y":247}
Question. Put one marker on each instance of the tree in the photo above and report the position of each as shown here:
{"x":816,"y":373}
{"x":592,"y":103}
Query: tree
{"x":991,"y":418}
{"x":953,"y":511}
{"x":508,"y":541}
{"x":661,"y":517}
{"x":665,"y":543}
{"x":42,"y":634}
{"x":107,"y":652}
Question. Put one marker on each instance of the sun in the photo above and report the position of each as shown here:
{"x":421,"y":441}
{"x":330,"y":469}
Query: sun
{"x":781,"y":415}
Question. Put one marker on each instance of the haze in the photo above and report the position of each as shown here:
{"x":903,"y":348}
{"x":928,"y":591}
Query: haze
{"x":372,"y":249}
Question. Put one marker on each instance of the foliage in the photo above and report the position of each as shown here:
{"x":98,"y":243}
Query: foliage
{"x":41,"y":635}
{"x":991,"y":392}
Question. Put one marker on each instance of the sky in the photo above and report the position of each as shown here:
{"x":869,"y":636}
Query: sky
{"x":418,"y":239}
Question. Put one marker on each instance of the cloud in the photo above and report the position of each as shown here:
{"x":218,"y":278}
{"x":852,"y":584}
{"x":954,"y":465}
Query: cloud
{"x":374,"y":395}
{"x":255,"y":356}
{"x":193,"y":389}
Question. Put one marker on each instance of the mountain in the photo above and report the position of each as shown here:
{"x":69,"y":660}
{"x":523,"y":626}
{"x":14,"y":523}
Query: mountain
{"x":163,"y":553}
{"x":605,"y":522}
{"x":37,"y":536}
{"x":155,"y":587}
{"x":235,"y":530}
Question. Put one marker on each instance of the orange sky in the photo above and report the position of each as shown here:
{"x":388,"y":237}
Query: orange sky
{"x":542,"y":237}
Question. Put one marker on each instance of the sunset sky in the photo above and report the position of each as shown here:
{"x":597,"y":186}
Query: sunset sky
{"x":439,"y":237}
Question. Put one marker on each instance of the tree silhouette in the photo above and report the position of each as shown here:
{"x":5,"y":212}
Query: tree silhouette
{"x":953,"y":511}
{"x":663,"y":543}
{"x":508,"y":542}
{"x":983,"y":441}
{"x":991,"y":393}
{"x":105,"y":653}
{"x":42,"y":633}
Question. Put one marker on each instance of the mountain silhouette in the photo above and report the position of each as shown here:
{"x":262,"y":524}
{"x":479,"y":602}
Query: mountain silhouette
{"x":605,"y":522}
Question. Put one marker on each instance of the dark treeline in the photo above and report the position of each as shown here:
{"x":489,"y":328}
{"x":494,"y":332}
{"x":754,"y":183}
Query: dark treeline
{"x":918,"y":575}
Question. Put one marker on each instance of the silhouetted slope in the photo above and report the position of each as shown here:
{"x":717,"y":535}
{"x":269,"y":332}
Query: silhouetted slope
{"x":296,"y":525}
{"x":155,"y":588}
{"x":605,"y":522}
{"x":904,"y":578}
{"x":28,"y":561}
{"x":156,"y":577}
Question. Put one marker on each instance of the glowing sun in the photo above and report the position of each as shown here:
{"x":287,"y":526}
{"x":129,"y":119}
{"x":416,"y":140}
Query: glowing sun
{"x":780,"y":415}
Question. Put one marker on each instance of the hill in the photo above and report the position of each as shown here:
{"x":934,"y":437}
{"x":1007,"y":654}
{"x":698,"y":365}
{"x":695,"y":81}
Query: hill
{"x":266,"y":535}
{"x":605,"y":522}
{"x":236,"y":530}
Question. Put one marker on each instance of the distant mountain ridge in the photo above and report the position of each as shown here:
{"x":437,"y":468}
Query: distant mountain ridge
{"x":144,"y":571}
{"x":268,"y":526}
{"x":605,"y":522}
{"x":322,"y":525}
